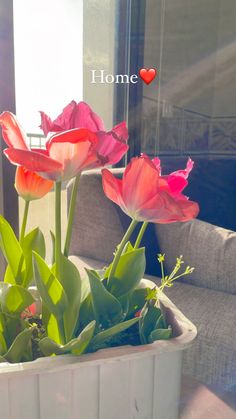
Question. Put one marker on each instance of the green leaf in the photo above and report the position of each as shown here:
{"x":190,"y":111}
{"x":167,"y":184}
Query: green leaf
{"x":19,"y":346}
{"x":12,"y":250}
{"x":137,"y":300}
{"x":9,"y":277}
{"x":86,"y":314}
{"x":128,"y":248}
{"x":85,"y":287}
{"x":76,"y":346}
{"x":2,"y":359}
{"x":71,"y":282}
{"x":49,"y":287}
{"x":51,"y":325}
{"x":107,"y":309}
{"x":13,"y":326}
{"x":84,"y":338}
{"x":32,"y":241}
{"x":129,"y":272}
{"x":101,"y":337}
{"x":3,"y":345}
{"x":161,"y":323}
{"x":150,"y":315}
{"x":124,"y":301}
{"x":160,"y":334}
{"x":15,"y":299}
{"x":53,"y":246}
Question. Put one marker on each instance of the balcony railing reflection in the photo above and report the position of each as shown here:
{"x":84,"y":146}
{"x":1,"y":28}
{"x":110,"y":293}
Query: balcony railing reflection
{"x":36,"y":140}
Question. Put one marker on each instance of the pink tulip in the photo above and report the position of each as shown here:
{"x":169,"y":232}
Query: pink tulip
{"x":73,"y":116}
{"x":112,"y":145}
{"x":30,"y":185}
{"x":144,"y":195}
{"x":66,"y":154}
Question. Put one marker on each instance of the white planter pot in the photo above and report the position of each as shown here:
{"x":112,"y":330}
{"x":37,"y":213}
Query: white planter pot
{"x":141,"y":382}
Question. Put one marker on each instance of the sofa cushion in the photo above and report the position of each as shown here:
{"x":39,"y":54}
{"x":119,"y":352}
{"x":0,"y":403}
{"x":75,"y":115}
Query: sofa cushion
{"x":211,"y":250}
{"x":212,"y":358}
{"x":97,"y":228}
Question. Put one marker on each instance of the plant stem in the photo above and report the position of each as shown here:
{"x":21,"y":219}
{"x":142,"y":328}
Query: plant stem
{"x":121,"y":247}
{"x":58,"y":228}
{"x":61,"y":331}
{"x":71,"y":215}
{"x":24,"y":221}
{"x":140,"y":234}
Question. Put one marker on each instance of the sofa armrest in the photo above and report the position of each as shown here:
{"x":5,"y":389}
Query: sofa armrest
{"x":211,"y":250}
{"x":97,"y":228}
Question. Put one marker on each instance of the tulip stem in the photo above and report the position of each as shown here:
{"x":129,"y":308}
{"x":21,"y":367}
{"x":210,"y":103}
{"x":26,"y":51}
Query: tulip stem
{"x":140,"y":234}
{"x":24,"y":221}
{"x":71,"y":215}
{"x":58,"y":228}
{"x":121,"y":247}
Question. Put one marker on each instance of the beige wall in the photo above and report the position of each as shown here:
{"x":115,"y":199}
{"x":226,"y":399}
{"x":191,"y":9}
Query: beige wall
{"x":98,"y":54}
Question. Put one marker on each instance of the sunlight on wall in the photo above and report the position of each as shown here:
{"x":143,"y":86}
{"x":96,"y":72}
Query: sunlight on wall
{"x":48,"y":37}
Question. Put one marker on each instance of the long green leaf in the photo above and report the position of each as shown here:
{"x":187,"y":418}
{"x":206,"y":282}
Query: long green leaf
{"x":51,"y":325}
{"x":32,"y":241}
{"x":15,"y":299}
{"x":9,"y":277}
{"x":12,"y":250}
{"x":19,"y":346}
{"x":71,"y":282}
{"x":107,"y":309}
{"x":101,"y":337}
{"x":137,"y":299}
{"x":160,"y":334}
{"x":129,"y":272}
{"x":3,"y":345}
{"x":76,"y":346}
{"x":49,"y":287}
{"x":148,"y":321}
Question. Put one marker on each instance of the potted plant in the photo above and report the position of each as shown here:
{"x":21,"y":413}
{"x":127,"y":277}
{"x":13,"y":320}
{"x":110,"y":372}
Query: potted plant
{"x":105,"y":345}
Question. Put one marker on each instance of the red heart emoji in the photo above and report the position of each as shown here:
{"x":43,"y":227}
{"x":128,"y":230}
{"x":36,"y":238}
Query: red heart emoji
{"x":147,"y":74}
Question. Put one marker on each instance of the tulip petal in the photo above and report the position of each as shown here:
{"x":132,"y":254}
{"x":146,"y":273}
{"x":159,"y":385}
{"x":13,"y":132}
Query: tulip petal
{"x":190,"y":210}
{"x":46,"y":124}
{"x":73,"y":136}
{"x":13,"y":134}
{"x":176,"y":183}
{"x":73,"y":116}
{"x":185,"y":172}
{"x":33,"y":161}
{"x":74,"y":157}
{"x":121,"y":131}
{"x":110,"y":149}
{"x":30,"y":185}
{"x":63,"y":122}
{"x":112,"y":188}
{"x":157,"y":163}
{"x":163,"y":208}
{"x":145,"y":196}
{"x":159,"y":207}
{"x":84,"y":117}
{"x":140,"y":182}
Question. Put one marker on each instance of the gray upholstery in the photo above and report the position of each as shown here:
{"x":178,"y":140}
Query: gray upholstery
{"x":97,"y":227}
{"x":212,"y":359}
{"x":211,"y":250}
{"x":207,"y":297}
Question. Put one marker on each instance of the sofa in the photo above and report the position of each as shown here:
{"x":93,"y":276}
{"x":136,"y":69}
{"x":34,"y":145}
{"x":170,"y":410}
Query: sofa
{"x":207,"y":296}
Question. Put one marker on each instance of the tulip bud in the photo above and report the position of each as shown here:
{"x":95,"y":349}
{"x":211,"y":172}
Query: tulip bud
{"x":30,"y":185}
